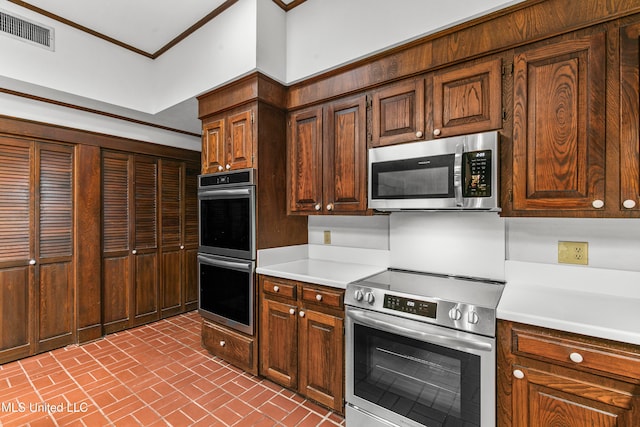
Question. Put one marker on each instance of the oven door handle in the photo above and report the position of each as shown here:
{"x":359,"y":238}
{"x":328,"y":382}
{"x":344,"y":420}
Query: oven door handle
{"x":241,"y":266}
{"x":225,"y":194}
{"x":429,"y":333}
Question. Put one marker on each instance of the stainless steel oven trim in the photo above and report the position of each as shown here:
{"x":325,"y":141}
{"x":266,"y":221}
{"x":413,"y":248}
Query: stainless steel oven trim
{"x":485,"y":347}
{"x":233,"y":264}
{"x":222,"y":193}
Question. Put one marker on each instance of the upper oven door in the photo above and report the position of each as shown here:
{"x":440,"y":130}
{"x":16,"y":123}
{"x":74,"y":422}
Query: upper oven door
{"x":227,"y":221}
{"x":415,"y":374}
{"x":446,"y":174}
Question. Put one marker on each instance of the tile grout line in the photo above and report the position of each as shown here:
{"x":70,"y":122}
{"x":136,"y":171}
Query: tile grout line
{"x":35,"y":389}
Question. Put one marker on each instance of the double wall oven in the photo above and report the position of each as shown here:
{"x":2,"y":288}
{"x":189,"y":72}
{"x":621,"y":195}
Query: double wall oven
{"x":420,"y":350}
{"x":227,"y":248}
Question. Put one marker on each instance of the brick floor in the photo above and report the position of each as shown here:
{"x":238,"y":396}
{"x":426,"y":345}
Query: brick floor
{"x":154,"y":375}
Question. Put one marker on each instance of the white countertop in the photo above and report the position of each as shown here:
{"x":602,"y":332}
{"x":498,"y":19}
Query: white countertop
{"x":321,"y":272}
{"x":596,"y":302}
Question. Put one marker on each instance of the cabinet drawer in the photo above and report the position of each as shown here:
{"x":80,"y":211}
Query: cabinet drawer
{"x":325,"y":297}
{"x":278,"y":288}
{"x":230,"y":346}
{"x":577,"y":354}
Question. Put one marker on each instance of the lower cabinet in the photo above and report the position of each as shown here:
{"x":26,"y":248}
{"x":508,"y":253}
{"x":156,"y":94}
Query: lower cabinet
{"x":548,"y":377}
{"x":302,"y":339}
{"x":238,"y":349}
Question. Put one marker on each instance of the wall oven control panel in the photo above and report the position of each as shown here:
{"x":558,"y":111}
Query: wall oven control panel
{"x":412,"y":306}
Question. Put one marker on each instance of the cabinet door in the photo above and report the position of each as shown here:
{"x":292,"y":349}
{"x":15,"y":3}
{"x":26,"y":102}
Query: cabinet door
{"x":467,"y":100}
{"x":278,"y":343}
{"x":398,"y":113}
{"x":172,"y":176}
{"x":213,"y":146}
{"x":542,"y":399}
{"x":558,"y":126}
{"x":116,"y":256}
{"x":145,"y":240}
{"x":239,"y":149}
{"x":304,"y":161}
{"x":16,"y":289}
{"x":321,"y":358}
{"x":630,"y":119}
{"x":345,"y":156}
{"x":54,"y":230}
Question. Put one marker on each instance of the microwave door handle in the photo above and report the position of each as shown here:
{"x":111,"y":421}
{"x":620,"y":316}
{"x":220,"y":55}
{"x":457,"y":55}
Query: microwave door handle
{"x":457,"y":173}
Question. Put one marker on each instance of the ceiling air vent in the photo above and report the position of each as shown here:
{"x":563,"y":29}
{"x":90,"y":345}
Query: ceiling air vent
{"x":25,"y":30}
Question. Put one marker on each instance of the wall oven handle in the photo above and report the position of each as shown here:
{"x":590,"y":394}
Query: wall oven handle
{"x":457,"y":173}
{"x":242,"y":266}
{"x":235,"y":192}
{"x":432,"y":334}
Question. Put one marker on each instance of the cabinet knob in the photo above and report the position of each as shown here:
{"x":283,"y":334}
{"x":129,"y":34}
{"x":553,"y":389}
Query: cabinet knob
{"x":301,"y":313}
{"x":317,"y":206}
{"x":292,"y":311}
{"x":276,"y":288}
{"x":436,"y":132}
{"x":629,"y":204}
{"x":330,"y":207}
{"x":228,"y":166}
{"x":597,"y":203}
{"x":220,"y":168}
{"x":419,"y":134}
{"x":576,"y":357}
{"x":518,"y":374}
{"x":181,"y":246}
{"x":134,"y":251}
{"x":222,"y":343}
{"x":318,"y":297}
{"x":32,"y":262}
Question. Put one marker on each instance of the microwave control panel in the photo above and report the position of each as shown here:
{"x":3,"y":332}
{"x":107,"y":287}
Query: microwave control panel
{"x":477,"y":174}
{"x":412,"y":306}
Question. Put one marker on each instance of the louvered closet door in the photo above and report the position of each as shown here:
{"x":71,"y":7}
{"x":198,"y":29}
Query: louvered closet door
{"x":172,"y":226}
{"x":54,"y":246}
{"x":16,"y":290}
{"x":116,"y":251}
{"x":145,"y":247}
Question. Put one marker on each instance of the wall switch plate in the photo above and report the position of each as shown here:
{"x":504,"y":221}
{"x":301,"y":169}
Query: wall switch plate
{"x":327,"y":237}
{"x":573,"y":253}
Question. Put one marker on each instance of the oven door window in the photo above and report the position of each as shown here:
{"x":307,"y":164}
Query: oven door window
{"x":424,"y":177}
{"x":433,"y":385}
{"x":226,"y":223}
{"x":226,"y":293}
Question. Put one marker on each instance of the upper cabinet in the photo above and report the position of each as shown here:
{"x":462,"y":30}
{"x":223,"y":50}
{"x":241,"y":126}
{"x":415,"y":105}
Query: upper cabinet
{"x":228,"y":141}
{"x":326,"y":158}
{"x":397,"y":113}
{"x":466,"y":99}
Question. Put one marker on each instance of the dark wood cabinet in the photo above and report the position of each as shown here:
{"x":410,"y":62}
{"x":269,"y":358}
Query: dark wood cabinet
{"x":238,"y":349}
{"x":302,"y":339}
{"x":327,"y":156}
{"x":466,"y":99}
{"x":397,"y":113}
{"x":559,"y":98}
{"x":37,"y":250}
{"x":228,"y":141}
{"x":548,"y":377}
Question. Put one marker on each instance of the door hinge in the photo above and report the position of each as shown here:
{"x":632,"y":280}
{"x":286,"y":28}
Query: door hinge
{"x":504,"y":115}
{"x":252,"y":118}
{"x":508,"y":69}
{"x":369,"y":101}
{"x":510,"y":196}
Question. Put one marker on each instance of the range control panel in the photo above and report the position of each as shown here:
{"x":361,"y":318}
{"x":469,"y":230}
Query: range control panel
{"x":412,"y":306}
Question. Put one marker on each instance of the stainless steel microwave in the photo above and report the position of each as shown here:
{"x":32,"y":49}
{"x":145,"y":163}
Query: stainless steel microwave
{"x":455,"y":173}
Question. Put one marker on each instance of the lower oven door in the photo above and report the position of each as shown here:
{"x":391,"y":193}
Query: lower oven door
{"x":408,"y":373}
{"x":226,"y":287}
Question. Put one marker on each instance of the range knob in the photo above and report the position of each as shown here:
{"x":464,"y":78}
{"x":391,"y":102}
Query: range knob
{"x":455,"y":314}
{"x":370,"y":297}
{"x":358,"y":295}
{"x":473,"y":318}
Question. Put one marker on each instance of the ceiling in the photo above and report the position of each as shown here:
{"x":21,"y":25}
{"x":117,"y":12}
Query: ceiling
{"x":147,"y":27}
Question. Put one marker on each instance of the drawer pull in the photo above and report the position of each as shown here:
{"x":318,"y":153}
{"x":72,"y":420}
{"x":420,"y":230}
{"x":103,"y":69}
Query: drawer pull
{"x":518,"y":374}
{"x":276,"y":288}
{"x":629,"y":204}
{"x":292,"y":311}
{"x":576,"y":357}
{"x":222,"y":343}
{"x":598,"y":204}
{"x":318,"y":297}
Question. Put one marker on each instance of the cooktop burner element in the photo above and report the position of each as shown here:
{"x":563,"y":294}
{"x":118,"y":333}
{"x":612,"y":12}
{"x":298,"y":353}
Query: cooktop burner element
{"x":463,"y":303}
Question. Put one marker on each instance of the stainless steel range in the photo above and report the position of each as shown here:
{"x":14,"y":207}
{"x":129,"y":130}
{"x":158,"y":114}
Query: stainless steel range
{"x":420,"y":350}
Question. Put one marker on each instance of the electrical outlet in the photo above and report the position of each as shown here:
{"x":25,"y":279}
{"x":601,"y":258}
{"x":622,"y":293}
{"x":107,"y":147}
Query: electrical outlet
{"x":327,"y":237}
{"x":573,"y":253}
